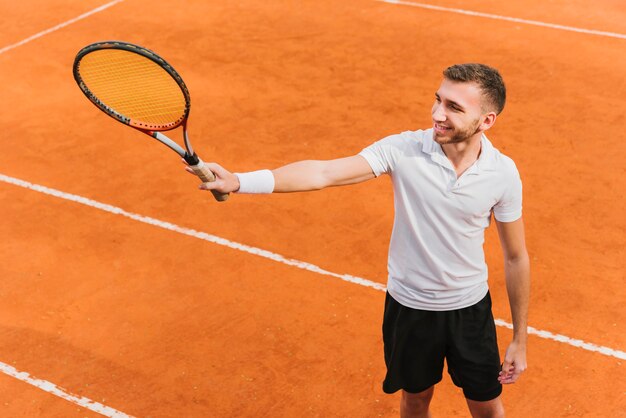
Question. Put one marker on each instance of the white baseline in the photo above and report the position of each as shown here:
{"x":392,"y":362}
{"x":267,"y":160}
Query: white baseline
{"x":59,"y":26}
{"x":49,"y":387}
{"x":510,"y":19}
{"x":44,"y":385}
{"x":279,"y":258}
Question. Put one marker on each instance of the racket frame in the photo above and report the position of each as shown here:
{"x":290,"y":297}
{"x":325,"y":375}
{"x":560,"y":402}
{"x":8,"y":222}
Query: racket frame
{"x":154,"y":130}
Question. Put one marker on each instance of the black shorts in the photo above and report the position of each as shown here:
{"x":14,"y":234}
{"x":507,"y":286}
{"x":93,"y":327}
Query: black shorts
{"x":417,"y":342}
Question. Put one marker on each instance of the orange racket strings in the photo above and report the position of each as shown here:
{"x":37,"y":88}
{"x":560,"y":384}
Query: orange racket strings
{"x":133,"y":86}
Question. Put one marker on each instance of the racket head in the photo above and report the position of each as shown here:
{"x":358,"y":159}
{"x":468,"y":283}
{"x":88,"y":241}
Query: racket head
{"x":133,"y":85}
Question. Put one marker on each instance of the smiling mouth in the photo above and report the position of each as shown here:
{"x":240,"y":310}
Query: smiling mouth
{"x":441,"y":129}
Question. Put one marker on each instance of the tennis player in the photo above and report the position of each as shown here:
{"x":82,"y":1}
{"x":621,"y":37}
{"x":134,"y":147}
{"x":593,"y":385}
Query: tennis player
{"x":447,"y":181}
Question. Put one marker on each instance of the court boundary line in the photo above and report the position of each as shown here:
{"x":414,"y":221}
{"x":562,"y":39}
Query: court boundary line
{"x":53,"y":389}
{"x":59,"y":26}
{"x":507,"y":18}
{"x":607,"y":351}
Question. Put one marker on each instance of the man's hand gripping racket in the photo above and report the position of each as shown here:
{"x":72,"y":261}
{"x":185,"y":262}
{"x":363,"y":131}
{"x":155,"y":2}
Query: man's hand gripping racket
{"x":138,"y":88}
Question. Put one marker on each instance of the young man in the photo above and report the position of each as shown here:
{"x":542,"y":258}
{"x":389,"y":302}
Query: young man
{"x":447,"y":182}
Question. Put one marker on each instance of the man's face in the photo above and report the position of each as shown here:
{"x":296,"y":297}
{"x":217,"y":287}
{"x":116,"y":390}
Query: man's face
{"x":457,"y":112}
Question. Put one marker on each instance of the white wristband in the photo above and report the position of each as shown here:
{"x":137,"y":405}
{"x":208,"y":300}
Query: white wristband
{"x":261,"y":181}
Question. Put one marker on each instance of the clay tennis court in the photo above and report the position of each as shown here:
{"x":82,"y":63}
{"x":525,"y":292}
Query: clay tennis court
{"x":167,"y":304}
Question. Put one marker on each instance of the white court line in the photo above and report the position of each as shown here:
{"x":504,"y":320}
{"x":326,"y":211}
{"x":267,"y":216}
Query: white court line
{"x":510,"y":19}
{"x":279,"y":258}
{"x":44,"y":385}
{"x":62,"y":393}
{"x":59,"y":26}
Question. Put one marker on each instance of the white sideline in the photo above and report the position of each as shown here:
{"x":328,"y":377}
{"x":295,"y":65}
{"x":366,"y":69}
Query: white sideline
{"x":23,"y":376}
{"x":49,"y":387}
{"x":279,"y":258}
{"x":59,"y":26}
{"x":507,"y":18}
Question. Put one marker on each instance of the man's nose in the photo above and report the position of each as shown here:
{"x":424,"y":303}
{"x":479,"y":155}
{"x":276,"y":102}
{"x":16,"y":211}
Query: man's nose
{"x":438,"y":113}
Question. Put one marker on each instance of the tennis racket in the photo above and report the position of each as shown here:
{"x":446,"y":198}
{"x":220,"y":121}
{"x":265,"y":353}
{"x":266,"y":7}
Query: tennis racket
{"x":138,"y":88}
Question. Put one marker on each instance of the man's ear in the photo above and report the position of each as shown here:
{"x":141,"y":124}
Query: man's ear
{"x":488,"y":120}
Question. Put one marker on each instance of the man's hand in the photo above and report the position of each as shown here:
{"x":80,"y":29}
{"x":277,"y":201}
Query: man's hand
{"x":225,"y":181}
{"x":517,"y":275}
{"x":514,"y":363}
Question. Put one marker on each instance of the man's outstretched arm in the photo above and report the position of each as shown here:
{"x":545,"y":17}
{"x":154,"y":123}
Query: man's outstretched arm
{"x":297,"y":177}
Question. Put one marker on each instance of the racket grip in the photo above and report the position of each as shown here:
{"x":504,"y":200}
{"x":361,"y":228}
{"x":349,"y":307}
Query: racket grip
{"x":207,"y":177}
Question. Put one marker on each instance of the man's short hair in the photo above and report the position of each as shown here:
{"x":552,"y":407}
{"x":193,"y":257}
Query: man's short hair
{"x":488,"y":79}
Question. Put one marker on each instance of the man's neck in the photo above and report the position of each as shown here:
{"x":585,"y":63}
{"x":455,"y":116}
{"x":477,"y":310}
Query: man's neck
{"x":463,"y":154}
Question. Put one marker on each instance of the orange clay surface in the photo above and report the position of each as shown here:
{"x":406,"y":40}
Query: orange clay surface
{"x":158,"y":324}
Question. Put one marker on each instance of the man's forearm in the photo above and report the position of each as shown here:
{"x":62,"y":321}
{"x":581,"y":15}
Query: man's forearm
{"x":517,"y":272}
{"x":299,"y":176}
{"x":314,"y":175}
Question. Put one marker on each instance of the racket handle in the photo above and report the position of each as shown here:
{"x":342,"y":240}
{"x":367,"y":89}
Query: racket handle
{"x":207,"y":177}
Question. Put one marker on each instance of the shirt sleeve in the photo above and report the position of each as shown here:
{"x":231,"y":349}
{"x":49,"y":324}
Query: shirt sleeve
{"x":382,"y":155}
{"x":509,"y":207}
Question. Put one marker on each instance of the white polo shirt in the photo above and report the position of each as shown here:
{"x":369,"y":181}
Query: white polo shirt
{"x":436,"y":259}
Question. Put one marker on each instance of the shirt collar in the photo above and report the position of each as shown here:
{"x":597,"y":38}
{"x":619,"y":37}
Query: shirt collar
{"x":486,"y":160}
